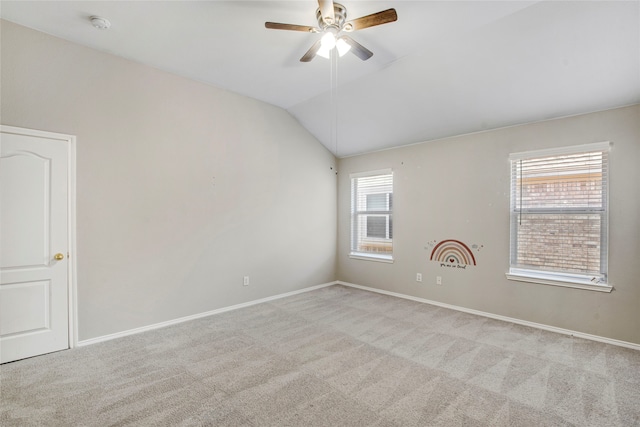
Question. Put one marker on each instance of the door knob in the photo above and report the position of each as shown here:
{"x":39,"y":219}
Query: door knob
{"x":58,"y":257}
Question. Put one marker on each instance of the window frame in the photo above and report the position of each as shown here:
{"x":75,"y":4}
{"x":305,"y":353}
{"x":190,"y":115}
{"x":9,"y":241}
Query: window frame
{"x":355,"y":214}
{"x":558,"y":278}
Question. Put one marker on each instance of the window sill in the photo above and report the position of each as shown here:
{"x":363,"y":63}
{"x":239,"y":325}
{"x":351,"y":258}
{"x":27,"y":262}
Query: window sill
{"x":372,"y":257}
{"x":545,"y":280}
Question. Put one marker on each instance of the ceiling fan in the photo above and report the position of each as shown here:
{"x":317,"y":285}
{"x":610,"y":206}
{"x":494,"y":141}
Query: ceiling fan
{"x":332,"y":20}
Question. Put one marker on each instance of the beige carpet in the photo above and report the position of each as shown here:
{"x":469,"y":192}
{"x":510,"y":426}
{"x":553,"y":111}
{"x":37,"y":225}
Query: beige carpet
{"x":332,"y":357}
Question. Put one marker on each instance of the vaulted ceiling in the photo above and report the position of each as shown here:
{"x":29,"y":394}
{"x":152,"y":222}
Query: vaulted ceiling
{"x":444,"y":68}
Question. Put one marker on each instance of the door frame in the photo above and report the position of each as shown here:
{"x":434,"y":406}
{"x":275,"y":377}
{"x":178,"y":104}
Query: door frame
{"x":72,"y":265}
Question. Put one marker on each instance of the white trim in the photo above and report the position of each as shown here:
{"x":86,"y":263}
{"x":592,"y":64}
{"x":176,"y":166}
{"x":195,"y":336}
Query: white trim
{"x":542,"y":279}
{"x":557,"y":151}
{"x":109,"y":337}
{"x":72,"y":264}
{"x":563,"y":331}
{"x":371,"y":257}
{"x":542,"y":326}
{"x":73,"y":247}
{"x":387,"y":171}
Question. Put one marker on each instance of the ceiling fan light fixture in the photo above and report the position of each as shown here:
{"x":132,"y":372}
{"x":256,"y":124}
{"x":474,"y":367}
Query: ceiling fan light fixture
{"x":342,"y":46}
{"x":329,"y":40}
{"x":324,"y":52}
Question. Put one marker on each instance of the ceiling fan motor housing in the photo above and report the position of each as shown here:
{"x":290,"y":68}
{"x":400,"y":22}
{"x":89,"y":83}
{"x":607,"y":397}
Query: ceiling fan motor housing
{"x":340,"y":13}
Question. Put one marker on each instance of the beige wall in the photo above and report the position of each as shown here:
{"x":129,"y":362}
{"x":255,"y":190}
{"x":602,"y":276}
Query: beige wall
{"x":458,"y":188}
{"x":182,"y":188}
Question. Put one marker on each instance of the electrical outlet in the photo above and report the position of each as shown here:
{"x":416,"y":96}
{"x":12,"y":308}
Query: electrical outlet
{"x":418,"y":277}
{"x":438,"y":280}
{"x":245,"y":281}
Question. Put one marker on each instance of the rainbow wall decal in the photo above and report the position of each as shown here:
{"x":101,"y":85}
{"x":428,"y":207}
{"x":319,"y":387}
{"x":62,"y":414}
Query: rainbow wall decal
{"x":452,"y":252}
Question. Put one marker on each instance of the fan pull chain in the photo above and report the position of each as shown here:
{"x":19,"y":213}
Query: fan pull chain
{"x":333,"y":59}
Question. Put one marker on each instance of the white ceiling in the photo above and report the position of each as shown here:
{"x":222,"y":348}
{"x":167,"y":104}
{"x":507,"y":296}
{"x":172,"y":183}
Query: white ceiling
{"x":444,"y":68}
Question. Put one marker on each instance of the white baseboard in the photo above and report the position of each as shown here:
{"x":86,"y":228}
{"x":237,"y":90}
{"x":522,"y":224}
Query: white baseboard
{"x":197,"y":316}
{"x":365,"y":288}
{"x":499,"y":317}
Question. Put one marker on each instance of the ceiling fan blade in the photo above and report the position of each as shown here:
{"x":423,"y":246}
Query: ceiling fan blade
{"x":372,"y":20}
{"x":326,"y":9}
{"x":357,"y":49}
{"x":291,"y":27}
{"x":311,"y":53}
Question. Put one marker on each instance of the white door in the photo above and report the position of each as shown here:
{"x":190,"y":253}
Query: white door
{"x":34,"y":243}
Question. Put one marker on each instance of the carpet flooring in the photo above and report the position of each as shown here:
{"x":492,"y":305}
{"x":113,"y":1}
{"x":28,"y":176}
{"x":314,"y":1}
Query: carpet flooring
{"x":336,"y":356}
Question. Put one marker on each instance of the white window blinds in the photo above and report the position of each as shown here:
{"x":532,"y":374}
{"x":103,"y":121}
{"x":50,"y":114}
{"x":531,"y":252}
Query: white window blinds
{"x":372,"y":214}
{"x":559,"y":213}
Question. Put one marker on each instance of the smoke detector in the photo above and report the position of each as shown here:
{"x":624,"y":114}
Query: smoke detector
{"x":100,"y":23}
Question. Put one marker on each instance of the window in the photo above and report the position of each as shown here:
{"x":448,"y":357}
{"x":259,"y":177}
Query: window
{"x":379,"y":226}
{"x":371,"y":215}
{"x":559,"y":216}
